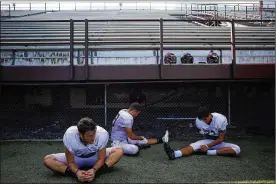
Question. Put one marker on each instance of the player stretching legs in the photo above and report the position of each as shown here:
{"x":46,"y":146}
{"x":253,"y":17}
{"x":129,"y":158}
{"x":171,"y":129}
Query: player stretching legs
{"x":213,"y":126}
{"x":122,"y":134}
{"x":85,"y":146}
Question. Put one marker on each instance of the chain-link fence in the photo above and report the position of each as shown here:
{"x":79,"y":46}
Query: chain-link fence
{"x":47,"y":111}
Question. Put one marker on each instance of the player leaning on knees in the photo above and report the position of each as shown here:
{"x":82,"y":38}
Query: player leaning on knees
{"x":85,"y":146}
{"x":213,"y":126}
{"x":122,"y":134}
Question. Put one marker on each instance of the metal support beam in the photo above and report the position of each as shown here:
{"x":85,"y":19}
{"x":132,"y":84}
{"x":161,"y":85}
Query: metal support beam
{"x":86,"y":50}
{"x":72,"y":48}
{"x":245,"y":12}
{"x":229,"y":104}
{"x":233,"y":47}
{"x":161,"y":48}
{"x":105,"y":105}
{"x":161,"y":41}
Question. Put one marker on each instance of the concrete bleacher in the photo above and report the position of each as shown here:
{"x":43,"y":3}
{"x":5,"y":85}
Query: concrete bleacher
{"x":20,"y":13}
{"x":178,"y":37}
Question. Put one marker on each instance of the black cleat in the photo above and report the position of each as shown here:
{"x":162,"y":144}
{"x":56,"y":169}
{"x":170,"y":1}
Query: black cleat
{"x":143,"y":146}
{"x":169,"y":151}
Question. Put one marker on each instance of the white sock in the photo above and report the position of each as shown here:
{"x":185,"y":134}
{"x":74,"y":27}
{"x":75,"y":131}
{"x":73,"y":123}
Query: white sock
{"x":177,"y":154}
{"x":212,"y":152}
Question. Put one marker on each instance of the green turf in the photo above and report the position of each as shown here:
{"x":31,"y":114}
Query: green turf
{"x":23,"y":162}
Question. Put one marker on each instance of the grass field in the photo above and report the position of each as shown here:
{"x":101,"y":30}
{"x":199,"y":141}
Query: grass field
{"x":22,"y":162}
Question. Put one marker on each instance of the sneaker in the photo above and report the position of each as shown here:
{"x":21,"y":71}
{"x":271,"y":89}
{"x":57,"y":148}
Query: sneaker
{"x":165,"y":138}
{"x":169,"y":151}
{"x":143,"y":146}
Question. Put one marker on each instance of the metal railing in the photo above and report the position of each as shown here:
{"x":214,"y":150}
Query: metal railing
{"x":234,"y":10}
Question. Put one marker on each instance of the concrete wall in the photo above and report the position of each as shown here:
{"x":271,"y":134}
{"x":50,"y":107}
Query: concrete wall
{"x":128,"y":57}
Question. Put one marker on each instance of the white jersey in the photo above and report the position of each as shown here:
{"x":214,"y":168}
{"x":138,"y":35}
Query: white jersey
{"x":121,"y":121}
{"x":71,"y":140}
{"x":218,"y":123}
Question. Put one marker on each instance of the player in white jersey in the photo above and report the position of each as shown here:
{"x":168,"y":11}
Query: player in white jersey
{"x":213,"y":126}
{"x":122,"y":134}
{"x":85,"y":146}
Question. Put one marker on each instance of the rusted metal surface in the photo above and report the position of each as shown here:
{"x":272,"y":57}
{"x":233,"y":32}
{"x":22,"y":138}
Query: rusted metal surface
{"x":255,"y":71}
{"x":38,"y":73}
{"x":124,"y":72}
{"x":196,"y":72}
{"x":137,"y":72}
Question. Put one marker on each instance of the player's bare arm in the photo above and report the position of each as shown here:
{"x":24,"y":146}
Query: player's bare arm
{"x":99,"y":163}
{"x":70,"y":160}
{"x":219,"y":140}
{"x":101,"y":159}
{"x":73,"y":167}
{"x":132,"y":136}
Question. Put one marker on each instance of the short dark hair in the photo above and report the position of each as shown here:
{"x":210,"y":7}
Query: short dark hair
{"x":203,"y":112}
{"x":135,"y":106}
{"x":86,"y":124}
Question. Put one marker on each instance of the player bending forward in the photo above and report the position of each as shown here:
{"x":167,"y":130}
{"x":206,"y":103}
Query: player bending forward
{"x":213,"y":126}
{"x":122,"y":134}
{"x":85,"y":146}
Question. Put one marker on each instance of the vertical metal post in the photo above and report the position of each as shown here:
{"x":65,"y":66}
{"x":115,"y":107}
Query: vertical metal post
{"x":181,"y":6}
{"x":45,"y":7}
{"x":161,"y":41}
{"x":224,"y":12}
{"x":72,"y":47}
{"x":150,"y":5}
{"x":234,"y":11}
{"x":75,"y":5}
{"x":261,"y":16}
{"x":86,"y":50}
{"x":157,"y":56}
{"x":30,"y":7}
{"x":136,"y":5}
{"x":229,"y":104}
{"x":105,"y":105}
{"x":186,"y":9}
{"x":59,"y":6}
{"x":220,"y":57}
{"x":245,"y":12}
{"x":161,"y":48}
{"x":233,"y":47}
{"x":9,"y":11}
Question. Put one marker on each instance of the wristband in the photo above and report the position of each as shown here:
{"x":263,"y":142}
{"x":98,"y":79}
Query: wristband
{"x":94,"y":169}
{"x":207,"y":146}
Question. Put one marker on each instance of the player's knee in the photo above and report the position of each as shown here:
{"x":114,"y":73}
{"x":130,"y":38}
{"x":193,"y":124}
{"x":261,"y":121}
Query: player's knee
{"x":133,"y":149}
{"x":194,"y":146}
{"x":237,"y":149}
{"x":117,"y":150}
{"x":48,"y":160}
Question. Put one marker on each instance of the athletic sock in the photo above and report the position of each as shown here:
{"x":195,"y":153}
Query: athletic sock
{"x":103,"y":168}
{"x":177,"y":154}
{"x":159,"y":140}
{"x":212,"y":152}
{"x":68,"y":172}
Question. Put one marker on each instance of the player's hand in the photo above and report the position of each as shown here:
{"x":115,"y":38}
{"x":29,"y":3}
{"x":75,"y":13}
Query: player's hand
{"x":90,"y":174}
{"x":204,"y":148}
{"x":81,"y":175}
